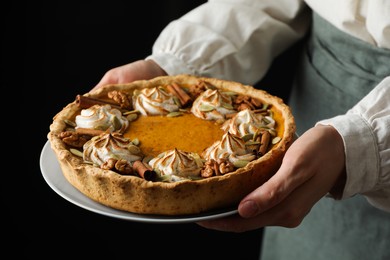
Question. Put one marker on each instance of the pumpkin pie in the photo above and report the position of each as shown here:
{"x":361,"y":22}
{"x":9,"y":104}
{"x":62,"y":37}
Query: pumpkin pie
{"x":172,"y":145}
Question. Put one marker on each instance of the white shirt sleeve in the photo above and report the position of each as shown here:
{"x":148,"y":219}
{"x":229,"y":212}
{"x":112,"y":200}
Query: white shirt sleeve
{"x":365,"y":130}
{"x":231,"y":39}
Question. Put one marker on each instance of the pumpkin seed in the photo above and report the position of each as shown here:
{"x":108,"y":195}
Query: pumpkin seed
{"x":206,"y":108}
{"x":134,"y":149}
{"x":219,"y":121}
{"x":175,"y":114}
{"x":76,"y":152}
{"x":135,"y":141}
{"x":176,"y":100}
{"x":132,"y":117}
{"x":266,"y":121}
{"x":230,"y":93}
{"x":240,"y":163}
{"x":272,"y":132}
{"x":250,"y":142}
{"x":247,"y":137}
{"x":116,"y":123}
{"x":227,"y":106}
{"x":276,"y":140}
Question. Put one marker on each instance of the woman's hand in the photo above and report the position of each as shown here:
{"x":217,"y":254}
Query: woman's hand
{"x":141,"y":69}
{"x":312,"y":166}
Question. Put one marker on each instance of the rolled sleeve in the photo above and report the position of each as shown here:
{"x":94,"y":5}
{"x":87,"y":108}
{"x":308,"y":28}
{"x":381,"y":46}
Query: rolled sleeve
{"x":234,"y":40}
{"x":365,"y":130}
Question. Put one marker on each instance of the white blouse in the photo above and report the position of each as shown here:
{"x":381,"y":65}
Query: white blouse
{"x":238,"y":40}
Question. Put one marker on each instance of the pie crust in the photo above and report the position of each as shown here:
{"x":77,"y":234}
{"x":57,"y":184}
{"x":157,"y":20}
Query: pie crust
{"x":137,"y":195}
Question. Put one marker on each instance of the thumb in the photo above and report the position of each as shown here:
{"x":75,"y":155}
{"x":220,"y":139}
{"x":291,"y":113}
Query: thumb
{"x":266,"y":196}
{"x":290,"y":175}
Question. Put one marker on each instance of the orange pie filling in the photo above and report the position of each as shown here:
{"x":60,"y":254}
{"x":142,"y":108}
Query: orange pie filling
{"x":161,"y":133}
{"x":186,"y":132}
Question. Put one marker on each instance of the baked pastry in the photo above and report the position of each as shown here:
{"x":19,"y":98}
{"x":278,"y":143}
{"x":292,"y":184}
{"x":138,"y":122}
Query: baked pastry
{"x":172,"y":145}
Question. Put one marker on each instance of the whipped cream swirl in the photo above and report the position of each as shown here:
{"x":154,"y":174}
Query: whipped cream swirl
{"x":248,"y":122}
{"x":102,"y":117}
{"x":111,"y":145}
{"x":154,"y":101}
{"x":230,"y":147}
{"x":213,"y":104}
{"x":177,"y":163}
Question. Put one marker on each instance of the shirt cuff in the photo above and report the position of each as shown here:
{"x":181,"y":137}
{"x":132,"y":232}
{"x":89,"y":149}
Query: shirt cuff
{"x":361,"y":153}
{"x":170,"y":64}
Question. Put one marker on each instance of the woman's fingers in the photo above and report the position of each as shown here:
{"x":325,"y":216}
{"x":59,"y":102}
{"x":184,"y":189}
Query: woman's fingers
{"x":137,"y":70}
{"x":309,"y":170}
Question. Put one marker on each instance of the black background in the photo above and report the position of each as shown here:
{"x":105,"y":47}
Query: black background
{"x":52,"y":52}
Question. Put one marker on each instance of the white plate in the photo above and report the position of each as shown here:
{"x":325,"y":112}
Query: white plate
{"x":52,"y":174}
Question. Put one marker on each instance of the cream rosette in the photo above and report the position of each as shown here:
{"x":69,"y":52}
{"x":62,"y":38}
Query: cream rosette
{"x":102,"y":117}
{"x":177,"y":164}
{"x":100,"y":149}
{"x":213,"y":104}
{"x":248,"y":122}
{"x":154,"y":101}
{"x":232,"y":148}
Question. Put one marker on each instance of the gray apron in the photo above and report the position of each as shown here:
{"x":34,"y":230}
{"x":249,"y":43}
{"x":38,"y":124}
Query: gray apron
{"x":337,"y":71}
